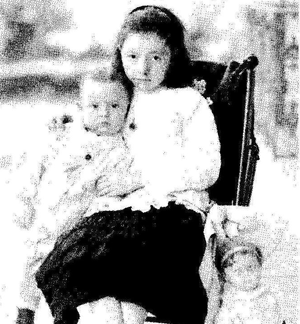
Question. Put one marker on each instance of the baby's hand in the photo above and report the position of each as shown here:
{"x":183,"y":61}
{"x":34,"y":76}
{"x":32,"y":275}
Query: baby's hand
{"x":58,"y":124}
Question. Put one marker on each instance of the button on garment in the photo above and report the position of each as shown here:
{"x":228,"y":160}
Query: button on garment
{"x":76,"y":152}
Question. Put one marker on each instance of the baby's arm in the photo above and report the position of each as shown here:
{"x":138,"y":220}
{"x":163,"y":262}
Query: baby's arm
{"x":87,"y":178}
{"x":109,"y":172}
{"x":193,"y":162}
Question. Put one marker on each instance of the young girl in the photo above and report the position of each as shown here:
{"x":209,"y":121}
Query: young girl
{"x":147,"y":260}
{"x":55,"y":201}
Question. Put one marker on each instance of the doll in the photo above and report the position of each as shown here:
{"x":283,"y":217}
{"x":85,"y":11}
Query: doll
{"x":239,"y":240}
{"x":243,"y":299}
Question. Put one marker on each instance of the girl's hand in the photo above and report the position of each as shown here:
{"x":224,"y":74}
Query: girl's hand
{"x":230,"y":221}
{"x":86,"y":181}
{"x":121,"y":178}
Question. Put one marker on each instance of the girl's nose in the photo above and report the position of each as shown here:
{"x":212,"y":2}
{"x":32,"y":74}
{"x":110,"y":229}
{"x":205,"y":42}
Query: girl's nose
{"x":144,"y":66}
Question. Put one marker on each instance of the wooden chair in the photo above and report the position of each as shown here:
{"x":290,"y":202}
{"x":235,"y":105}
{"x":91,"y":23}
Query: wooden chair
{"x":231,"y":90}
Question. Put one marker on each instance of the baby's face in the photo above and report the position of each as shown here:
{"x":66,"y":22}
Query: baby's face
{"x":104,"y":107}
{"x":244,"y":272}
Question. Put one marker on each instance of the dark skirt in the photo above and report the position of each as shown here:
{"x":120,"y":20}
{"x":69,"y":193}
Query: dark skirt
{"x":151,"y":259}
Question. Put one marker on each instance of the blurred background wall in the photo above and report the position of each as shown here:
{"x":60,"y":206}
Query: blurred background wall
{"x":46,"y":44}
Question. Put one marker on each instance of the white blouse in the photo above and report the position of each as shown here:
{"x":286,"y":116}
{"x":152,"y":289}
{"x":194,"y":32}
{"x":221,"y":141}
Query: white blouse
{"x":173,"y":137}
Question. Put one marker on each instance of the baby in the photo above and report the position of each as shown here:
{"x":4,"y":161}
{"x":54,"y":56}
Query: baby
{"x":63,"y":183}
{"x":243,"y":299}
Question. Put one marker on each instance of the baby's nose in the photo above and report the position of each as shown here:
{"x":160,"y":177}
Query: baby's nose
{"x":103,"y":109}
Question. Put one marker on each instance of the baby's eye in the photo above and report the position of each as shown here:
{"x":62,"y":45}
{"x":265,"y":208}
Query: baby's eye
{"x":114,"y":105}
{"x":156,"y":58}
{"x":95,"y":106}
{"x":251,"y":267}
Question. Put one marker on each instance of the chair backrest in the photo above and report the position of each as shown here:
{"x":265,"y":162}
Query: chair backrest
{"x":234,"y":114}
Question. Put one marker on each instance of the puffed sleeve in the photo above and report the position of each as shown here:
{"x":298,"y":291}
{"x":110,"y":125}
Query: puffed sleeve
{"x":22,"y":191}
{"x":193,"y":160}
{"x":25,"y":180}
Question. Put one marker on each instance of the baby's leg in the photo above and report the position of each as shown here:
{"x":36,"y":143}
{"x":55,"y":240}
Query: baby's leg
{"x":107,"y":310}
{"x":133,"y":314}
{"x":39,"y":244}
{"x":29,"y":295}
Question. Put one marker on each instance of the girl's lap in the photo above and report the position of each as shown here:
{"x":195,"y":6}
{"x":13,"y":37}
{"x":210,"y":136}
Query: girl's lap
{"x":151,"y":259}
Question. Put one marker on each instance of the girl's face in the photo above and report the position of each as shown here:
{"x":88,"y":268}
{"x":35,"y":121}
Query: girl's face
{"x":146,"y":59}
{"x":244,"y":272}
{"x":104,"y":107}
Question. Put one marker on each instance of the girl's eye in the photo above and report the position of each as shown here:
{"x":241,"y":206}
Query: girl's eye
{"x":95,"y":106}
{"x":132,"y":56}
{"x":115,"y":105}
{"x":156,"y":58}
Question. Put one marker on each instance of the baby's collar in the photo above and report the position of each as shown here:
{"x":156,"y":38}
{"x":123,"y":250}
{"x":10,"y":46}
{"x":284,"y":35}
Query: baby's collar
{"x":249,"y":294}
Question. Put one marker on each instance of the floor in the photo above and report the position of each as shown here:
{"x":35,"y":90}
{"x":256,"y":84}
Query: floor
{"x":276,"y":184}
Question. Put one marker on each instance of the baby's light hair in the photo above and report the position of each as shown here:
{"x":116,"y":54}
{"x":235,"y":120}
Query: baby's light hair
{"x":105,"y":75}
{"x":165,"y":24}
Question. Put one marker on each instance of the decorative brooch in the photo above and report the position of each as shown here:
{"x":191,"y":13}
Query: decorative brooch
{"x":200,"y":85}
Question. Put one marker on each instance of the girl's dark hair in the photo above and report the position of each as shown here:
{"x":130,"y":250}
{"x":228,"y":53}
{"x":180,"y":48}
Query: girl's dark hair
{"x":162,"y":22}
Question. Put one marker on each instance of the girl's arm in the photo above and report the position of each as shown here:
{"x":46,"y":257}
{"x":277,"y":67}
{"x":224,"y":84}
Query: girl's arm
{"x":191,"y":163}
{"x":194,"y":162}
{"x":123,"y":178}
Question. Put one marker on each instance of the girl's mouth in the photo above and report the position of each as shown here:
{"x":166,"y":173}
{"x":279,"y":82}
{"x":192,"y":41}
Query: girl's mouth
{"x":142,"y":80}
